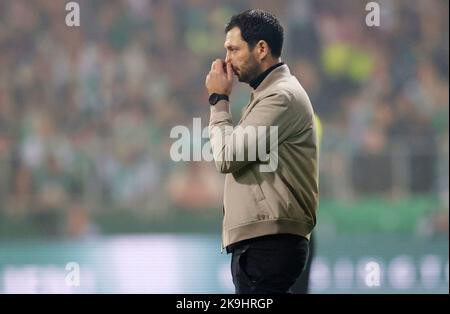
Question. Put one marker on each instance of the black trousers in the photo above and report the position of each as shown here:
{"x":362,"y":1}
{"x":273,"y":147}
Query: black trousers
{"x":302,"y":285}
{"x":268,"y":264}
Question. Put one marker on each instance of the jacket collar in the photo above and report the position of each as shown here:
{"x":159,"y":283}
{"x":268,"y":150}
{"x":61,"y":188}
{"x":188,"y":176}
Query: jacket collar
{"x":255,"y":83}
{"x":276,"y":74}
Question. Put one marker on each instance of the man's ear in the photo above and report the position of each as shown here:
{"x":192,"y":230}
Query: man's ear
{"x":262,"y":49}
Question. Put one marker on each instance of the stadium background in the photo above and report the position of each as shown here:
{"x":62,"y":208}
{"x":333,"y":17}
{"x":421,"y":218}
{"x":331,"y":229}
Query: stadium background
{"x":85,"y":119}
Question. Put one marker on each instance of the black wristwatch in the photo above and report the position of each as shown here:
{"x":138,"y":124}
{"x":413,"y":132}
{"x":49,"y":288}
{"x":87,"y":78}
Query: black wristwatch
{"x":214,"y":98}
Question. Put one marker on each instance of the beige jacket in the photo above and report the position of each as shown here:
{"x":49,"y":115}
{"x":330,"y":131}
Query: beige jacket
{"x":257,"y":202}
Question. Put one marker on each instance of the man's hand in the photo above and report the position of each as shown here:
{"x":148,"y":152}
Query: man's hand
{"x":220,"y":79}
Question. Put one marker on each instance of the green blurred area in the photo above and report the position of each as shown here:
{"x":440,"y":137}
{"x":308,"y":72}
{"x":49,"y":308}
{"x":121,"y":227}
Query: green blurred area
{"x":368,"y":215}
{"x":378,"y":215}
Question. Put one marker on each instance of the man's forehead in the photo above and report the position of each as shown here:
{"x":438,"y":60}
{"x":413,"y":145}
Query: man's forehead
{"x":233,"y":37}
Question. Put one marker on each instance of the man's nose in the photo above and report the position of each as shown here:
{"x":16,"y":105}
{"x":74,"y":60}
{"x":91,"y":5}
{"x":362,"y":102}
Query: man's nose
{"x":227,"y":58}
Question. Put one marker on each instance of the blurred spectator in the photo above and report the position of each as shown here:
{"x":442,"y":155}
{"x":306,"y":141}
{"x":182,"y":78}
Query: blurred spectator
{"x":197,"y":187}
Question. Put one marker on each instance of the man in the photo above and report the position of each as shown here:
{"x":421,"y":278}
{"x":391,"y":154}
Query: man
{"x":268,"y":214}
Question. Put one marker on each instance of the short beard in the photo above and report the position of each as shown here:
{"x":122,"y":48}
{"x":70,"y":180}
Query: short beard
{"x":252,"y":72}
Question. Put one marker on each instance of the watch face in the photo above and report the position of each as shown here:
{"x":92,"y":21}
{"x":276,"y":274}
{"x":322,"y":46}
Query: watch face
{"x":213,"y":99}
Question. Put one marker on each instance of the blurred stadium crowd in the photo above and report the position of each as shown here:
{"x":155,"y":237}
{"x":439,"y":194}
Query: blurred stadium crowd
{"x":86,"y":112}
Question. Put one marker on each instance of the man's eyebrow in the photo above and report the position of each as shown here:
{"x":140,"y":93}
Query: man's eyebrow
{"x":229,"y":46}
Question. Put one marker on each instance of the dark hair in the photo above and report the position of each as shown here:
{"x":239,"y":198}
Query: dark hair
{"x":256,"y":25}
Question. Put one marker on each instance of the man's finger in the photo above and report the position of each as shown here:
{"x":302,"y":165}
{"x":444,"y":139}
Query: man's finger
{"x":229,"y":72}
{"x":218,"y":65}
{"x":214,"y":64}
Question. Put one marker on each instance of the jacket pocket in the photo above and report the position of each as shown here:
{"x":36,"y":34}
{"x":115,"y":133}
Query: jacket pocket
{"x":257,"y":190}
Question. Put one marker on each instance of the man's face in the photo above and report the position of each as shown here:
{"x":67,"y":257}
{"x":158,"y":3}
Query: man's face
{"x":243,"y":61}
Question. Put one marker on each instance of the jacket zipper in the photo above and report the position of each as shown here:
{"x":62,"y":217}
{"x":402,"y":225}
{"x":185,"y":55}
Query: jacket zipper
{"x":221,"y":236}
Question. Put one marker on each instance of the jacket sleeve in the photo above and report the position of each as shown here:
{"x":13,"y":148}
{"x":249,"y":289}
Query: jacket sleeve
{"x":234,"y":148}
